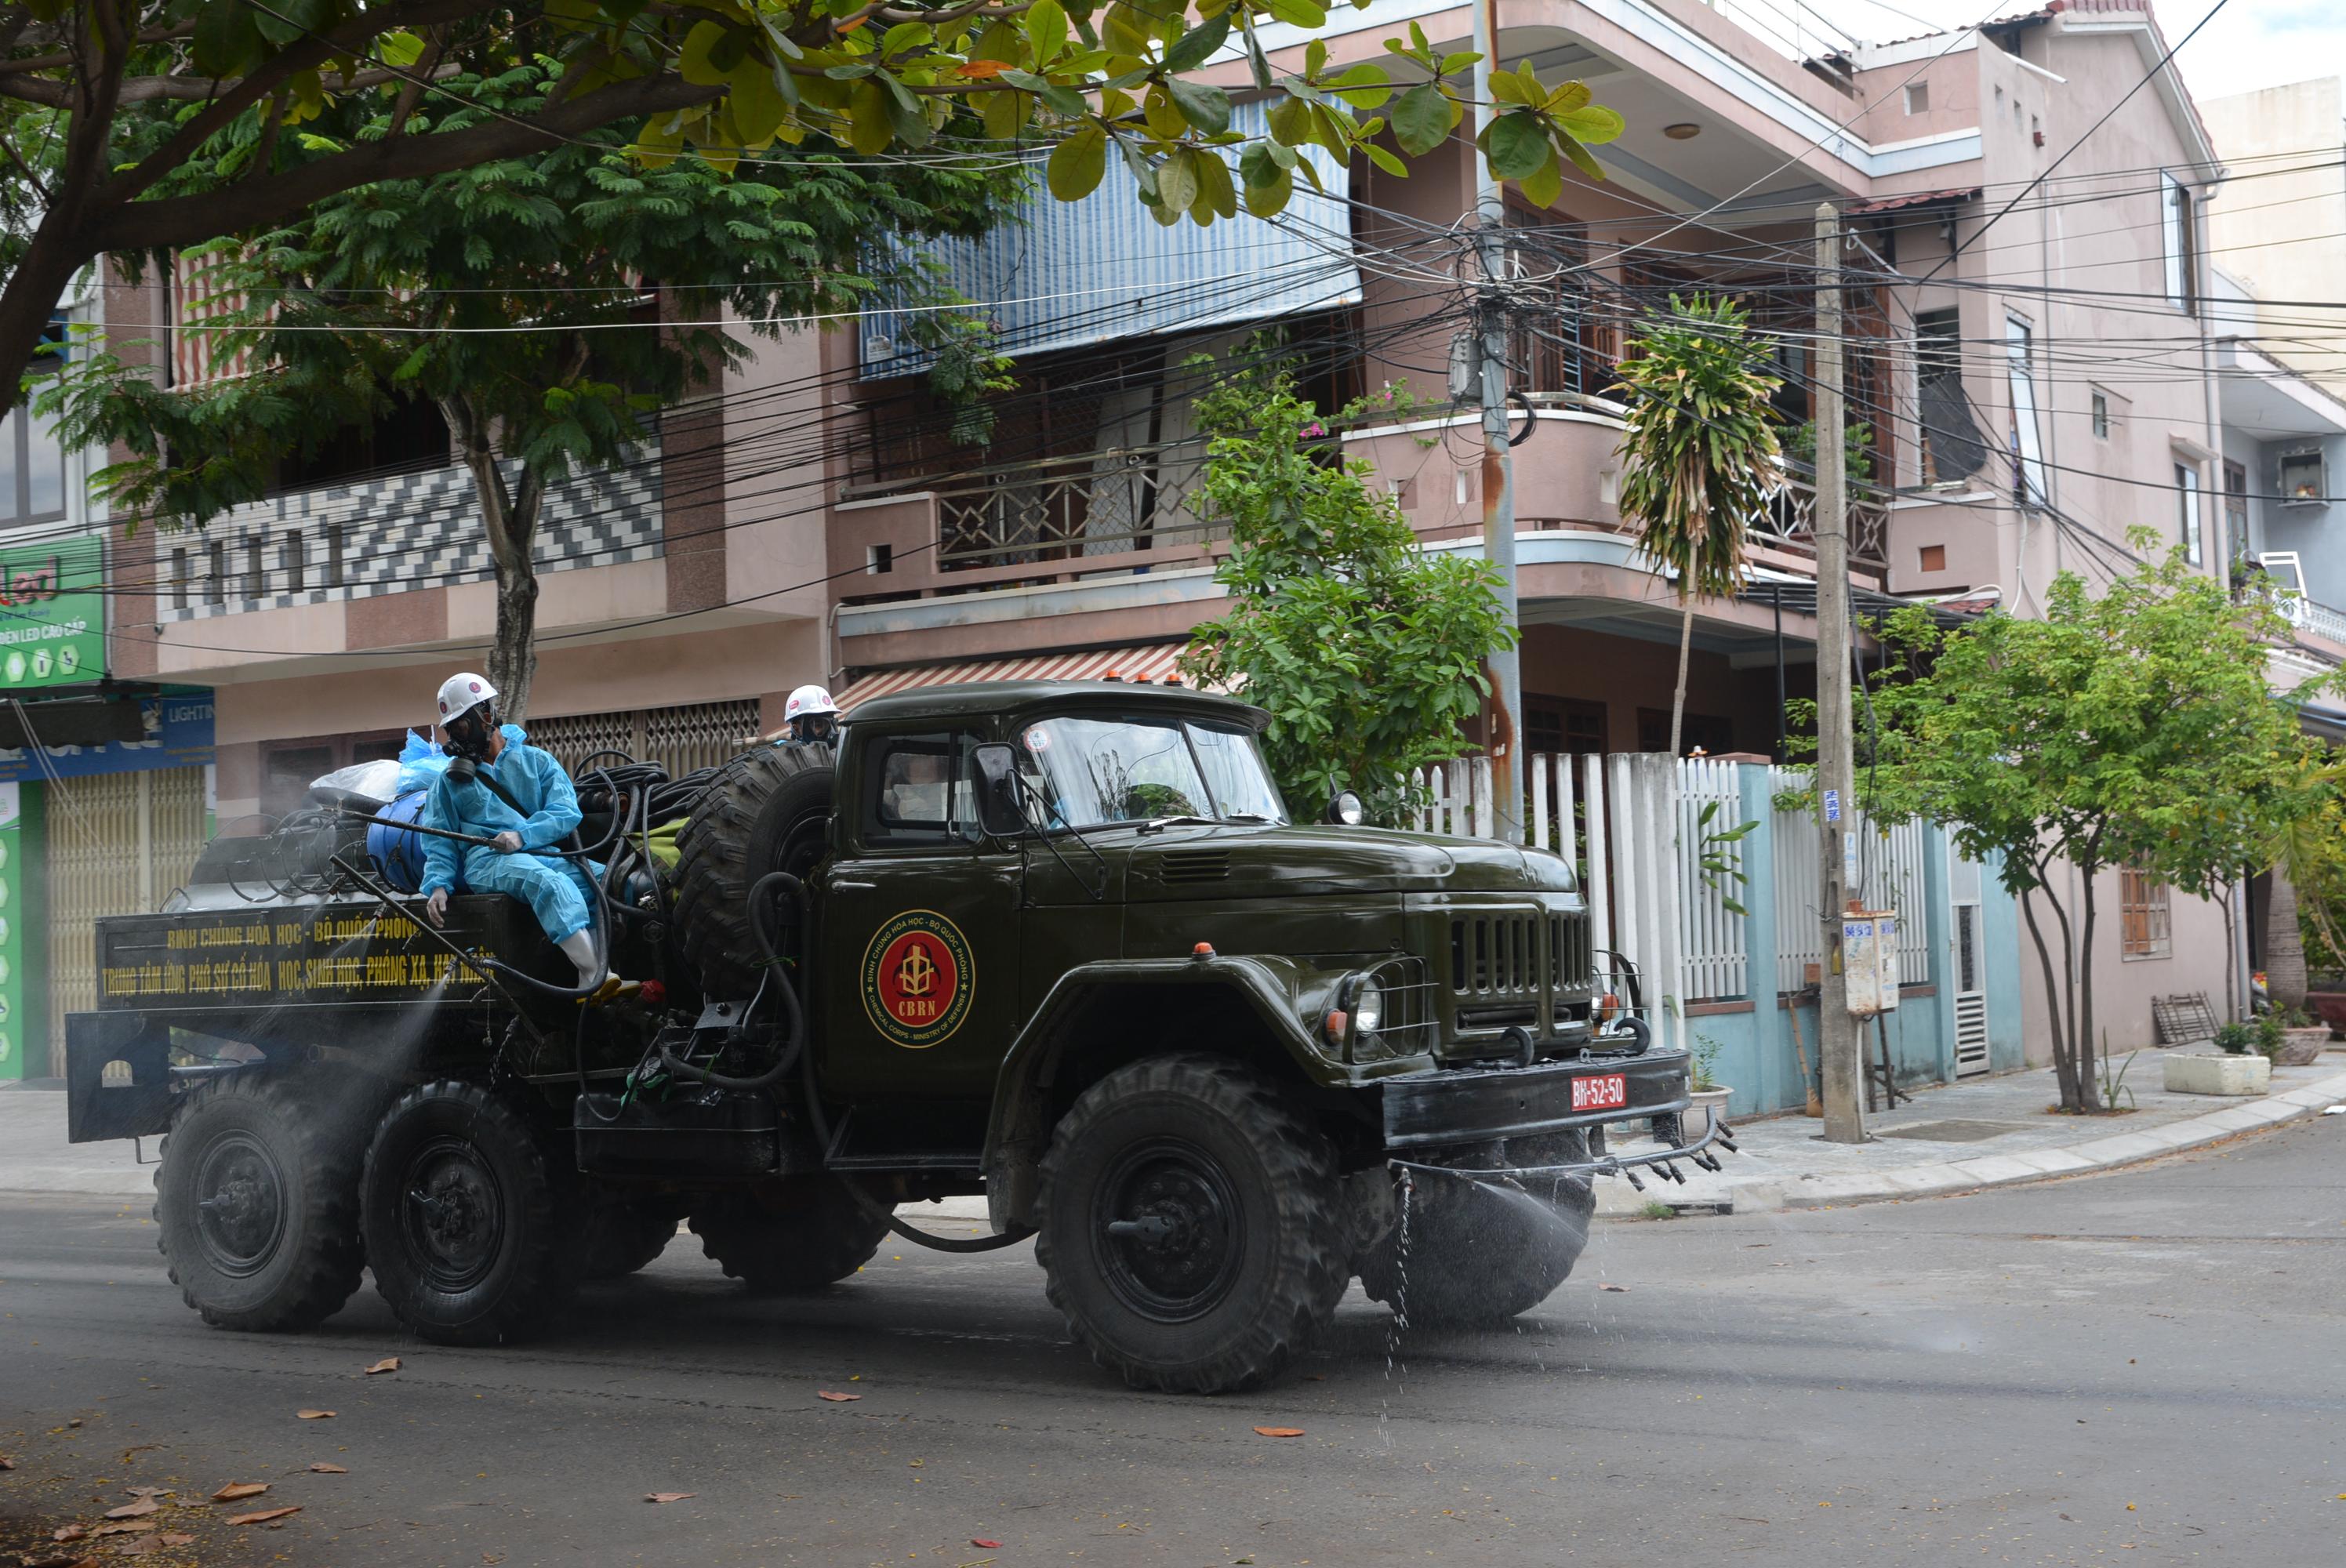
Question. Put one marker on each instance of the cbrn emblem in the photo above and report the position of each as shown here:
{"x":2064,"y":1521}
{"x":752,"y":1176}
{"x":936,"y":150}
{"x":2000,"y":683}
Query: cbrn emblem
{"x":918,"y":979}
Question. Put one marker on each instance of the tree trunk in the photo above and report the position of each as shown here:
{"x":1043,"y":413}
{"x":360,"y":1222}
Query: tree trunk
{"x":1678,"y":700}
{"x":2284,"y":944}
{"x":2086,"y":1074}
{"x":510,"y":519}
{"x":2232,"y":953}
{"x":2065,"y":1064}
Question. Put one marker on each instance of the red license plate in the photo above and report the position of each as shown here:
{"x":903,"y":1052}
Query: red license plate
{"x":1607,"y":1092}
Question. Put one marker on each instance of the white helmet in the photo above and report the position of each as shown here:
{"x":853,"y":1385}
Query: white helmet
{"x":461,"y":691}
{"x":807,"y":701}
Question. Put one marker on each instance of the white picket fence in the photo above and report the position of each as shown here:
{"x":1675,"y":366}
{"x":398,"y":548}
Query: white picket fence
{"x":1631,"y":825}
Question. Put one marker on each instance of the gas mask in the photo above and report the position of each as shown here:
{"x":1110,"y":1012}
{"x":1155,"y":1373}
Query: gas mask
{"x":469,"y":732}
{"x":819,"y":728}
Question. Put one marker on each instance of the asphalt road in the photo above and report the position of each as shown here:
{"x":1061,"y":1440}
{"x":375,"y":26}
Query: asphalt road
{"x":2152,"y":1362}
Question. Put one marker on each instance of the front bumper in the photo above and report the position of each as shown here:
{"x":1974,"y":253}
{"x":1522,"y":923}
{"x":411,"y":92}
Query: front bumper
{"x":1426,"y":1111}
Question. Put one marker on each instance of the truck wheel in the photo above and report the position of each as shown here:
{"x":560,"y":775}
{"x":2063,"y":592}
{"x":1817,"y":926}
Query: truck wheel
{"x":766,"y":810}
{"x":1476,"y":1257}
{"x":1190,"y":1225}
{"x":803,"y":1236}
{"x":468,"y":1226}
{"x":256,"y":1205}
{"x":618,"y":1237}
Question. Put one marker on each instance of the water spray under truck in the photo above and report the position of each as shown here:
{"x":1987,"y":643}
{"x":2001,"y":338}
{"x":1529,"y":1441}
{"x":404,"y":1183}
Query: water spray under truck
{"x":1059,"y":944}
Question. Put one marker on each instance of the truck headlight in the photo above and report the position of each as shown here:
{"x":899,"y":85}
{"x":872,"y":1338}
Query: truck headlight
{"x":1368,"y":1005}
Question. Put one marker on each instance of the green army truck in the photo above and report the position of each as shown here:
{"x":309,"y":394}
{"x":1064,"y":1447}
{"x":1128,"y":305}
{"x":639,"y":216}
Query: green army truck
{"x":1061,"y":944}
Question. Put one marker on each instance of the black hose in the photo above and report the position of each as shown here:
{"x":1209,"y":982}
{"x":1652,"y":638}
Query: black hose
{"x":784,"y":883}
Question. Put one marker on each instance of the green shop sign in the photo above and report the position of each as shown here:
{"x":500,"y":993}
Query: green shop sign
{"x":52,"y":615}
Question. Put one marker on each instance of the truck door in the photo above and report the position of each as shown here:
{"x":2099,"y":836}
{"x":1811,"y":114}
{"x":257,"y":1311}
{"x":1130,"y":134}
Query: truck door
{"x":919,"y":934}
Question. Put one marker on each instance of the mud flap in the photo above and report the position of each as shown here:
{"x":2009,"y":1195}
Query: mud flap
{"x":117,"y":1076}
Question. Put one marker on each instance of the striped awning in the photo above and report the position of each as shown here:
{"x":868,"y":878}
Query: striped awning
{"x":1149,"y":663}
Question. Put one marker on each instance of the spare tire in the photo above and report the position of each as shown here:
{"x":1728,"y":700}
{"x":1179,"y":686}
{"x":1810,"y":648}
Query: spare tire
{"x":766,"y":810}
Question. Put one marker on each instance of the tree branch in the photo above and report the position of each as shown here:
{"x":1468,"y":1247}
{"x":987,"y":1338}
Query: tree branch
{"x":188,"y":219}
{"x":350,"y":38}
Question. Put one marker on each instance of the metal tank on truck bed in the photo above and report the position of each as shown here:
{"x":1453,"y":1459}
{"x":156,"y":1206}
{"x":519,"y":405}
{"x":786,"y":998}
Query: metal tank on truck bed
{"x":1058,"y":944}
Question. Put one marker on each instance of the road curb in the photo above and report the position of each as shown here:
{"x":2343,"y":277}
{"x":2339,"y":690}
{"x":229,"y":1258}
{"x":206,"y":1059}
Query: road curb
{"x":1759,"y":1193}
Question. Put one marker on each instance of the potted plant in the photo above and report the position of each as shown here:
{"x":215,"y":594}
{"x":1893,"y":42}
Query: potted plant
{"x":1708,"y":1106}
{"x":2291,"y":1038}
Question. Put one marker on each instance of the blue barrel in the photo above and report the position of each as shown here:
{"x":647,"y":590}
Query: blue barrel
{"x":398,"y":852}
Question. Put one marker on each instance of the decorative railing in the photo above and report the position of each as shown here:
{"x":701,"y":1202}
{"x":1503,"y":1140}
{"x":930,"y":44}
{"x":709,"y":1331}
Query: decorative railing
{"x":1111,"y":502}
{"x":1789,"y":516}
{"x":2312,"y":616}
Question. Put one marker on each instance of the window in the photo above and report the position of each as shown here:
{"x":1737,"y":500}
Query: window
{"x":1708,"y":733}
{"x":2236,"y":512}
{"x":1933,"y":558}
{"x":287,"y":767}
{"x":2302,"y":483}
{"x":1090,"y":771}
{"x":1553,"y":724}
{"x":2143,"y":917}
{"x":1918,"y":97}
{"x":1951,"y":448}
{"x":291,"y":557}
{"x":919,"y":793}
{"x":2102,"y":415}
{"x":2175,"y":216}
{"x":2027,"y":440}
{"x":32,"y":460}
{"x":2187,"y":487}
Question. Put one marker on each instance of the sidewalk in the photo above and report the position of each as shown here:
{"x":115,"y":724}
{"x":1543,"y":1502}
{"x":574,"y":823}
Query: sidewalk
{"x":1984,"y":1132}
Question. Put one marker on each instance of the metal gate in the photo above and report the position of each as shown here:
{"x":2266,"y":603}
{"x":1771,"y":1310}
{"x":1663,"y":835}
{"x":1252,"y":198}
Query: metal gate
{"x":1968,"y":965}
{"x":682,"y":738}
{"x":119,"y":844}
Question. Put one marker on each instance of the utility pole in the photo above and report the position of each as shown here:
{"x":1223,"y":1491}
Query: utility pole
{"x":1839,"y":1046}
{"x":1502,"y":711}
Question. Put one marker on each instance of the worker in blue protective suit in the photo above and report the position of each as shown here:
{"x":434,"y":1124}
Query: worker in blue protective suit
{"x":519,"y":798}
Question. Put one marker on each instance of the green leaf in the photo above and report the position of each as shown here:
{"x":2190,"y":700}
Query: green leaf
{"x":906,"y":116}
{"x":1199,"y":44}
{"x":1206,"y":108}
{"x":1077,"y":165}
{"x":1364,"y":86}
{"x":1266,"y":200}
{"x":1176,"y":179}
{"x":1592,"y":123}
{"x":1125,"y":31}
{"x":1582,"y":158}
{"x":399,"y":47}
{"x":1047,"y":30}
{"x":1216,"y":195}
{"x":695,"y":61}
{"x":1004,"y":114}
{"x":1422,"y":118}
{"x":1567,"y":97}
{"x":870,"y":127}
{"x":227,"y":40}
{"x":1305,"y":14}
{"x":1384,"y":160}
{"x":1289,"y":119}
{"x":1544,"y":184}
{"x":1507,"y":87}
{"x":1517,"y":144}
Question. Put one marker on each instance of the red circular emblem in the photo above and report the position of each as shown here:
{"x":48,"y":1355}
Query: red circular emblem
{"x":916,"y":978}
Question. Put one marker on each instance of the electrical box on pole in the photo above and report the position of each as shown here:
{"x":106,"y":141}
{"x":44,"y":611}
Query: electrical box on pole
{"x":1869,"y":949}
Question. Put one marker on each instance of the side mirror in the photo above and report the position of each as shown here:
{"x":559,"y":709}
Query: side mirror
{"x":1345,"y":810}
{"x":999,"y":811}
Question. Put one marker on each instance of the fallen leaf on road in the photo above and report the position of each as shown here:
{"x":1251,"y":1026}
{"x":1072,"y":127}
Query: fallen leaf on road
{"x":120,"y":1527}
{"x":1278,"y":1431}
{"x":175,"y":1540}
{"x":57,"y":1562}
{"x":71,"y":1533}
{"x":980,"y":1542}
{"x":835,"y":1399}
{"x":264,"y":1515}
{"x":315,"y":1415}
{"x":237,"y":1490}
{"x":322,"y":1468}
{"x":138,"y":1547}
{"x":668,"y":1496}
{"x":133,"y":1510}
{"x":149,"y":1490}
{"x":387,"y":1364}
{"x":1616,"y":1289}
{"x":6,"y":1463}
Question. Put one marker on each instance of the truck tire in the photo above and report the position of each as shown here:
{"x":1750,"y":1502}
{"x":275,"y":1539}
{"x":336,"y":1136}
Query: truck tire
{"x":808,"y":1234}
{"x":1245,"y":1258}
{"x":619,"y":1237}
{"x":255,"y":1204}
{"x":766,"y":810}
{"x":469,"y":1226}
{"x":1477,"y":1257}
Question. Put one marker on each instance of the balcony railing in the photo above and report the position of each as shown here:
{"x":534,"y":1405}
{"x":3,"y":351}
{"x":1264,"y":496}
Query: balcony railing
{"x":2312,"y":616}
{"x":1790,"y":517}
{"x":1106,"y":503}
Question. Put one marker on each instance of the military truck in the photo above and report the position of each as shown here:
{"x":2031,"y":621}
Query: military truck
{"x":1061,"y":944}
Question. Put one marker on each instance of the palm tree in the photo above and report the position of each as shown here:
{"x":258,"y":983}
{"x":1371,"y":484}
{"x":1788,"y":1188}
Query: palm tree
{"x":1700,"y":453}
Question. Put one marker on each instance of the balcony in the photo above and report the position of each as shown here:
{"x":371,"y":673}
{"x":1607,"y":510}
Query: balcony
{"x":2310,"y":618}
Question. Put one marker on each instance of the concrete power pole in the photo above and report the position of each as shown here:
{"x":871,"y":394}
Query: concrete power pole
{"x":1839,"y":1046}
{"x":1503,"y":713}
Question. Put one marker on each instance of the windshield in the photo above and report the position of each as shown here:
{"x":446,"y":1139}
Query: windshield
{"x":1092,"y":771}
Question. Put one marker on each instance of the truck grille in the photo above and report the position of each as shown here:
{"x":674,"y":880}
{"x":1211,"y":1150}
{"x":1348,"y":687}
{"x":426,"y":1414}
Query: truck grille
{"x":1515,"y":957}
{"x":1183,"y":867}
